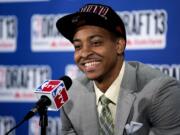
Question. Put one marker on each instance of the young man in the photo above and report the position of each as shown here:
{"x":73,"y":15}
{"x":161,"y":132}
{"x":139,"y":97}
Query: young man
{"x":114,"y":97}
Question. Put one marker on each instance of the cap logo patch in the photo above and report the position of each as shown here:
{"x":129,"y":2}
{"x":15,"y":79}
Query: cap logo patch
{"x":96,"y":9}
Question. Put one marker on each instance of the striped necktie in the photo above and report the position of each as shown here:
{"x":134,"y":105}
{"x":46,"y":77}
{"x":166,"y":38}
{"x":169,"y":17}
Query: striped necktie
{"x":105,"y":117}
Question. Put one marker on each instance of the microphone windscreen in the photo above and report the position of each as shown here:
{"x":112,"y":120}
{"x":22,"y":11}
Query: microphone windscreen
{"x":67,"y":81}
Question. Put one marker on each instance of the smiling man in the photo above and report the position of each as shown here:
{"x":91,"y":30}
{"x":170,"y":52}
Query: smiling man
{"x":115,"y":97}
{"x":104,"y":53}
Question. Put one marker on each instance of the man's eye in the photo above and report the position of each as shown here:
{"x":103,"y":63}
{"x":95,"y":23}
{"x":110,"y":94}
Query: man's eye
{"x":96,"y":43}
{"x":77,"y":47}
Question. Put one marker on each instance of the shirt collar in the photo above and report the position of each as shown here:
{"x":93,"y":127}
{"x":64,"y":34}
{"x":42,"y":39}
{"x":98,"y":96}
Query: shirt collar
{"x":113,"y":91}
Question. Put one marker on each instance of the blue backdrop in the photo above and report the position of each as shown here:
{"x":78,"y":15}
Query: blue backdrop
{"x":31,"y":49}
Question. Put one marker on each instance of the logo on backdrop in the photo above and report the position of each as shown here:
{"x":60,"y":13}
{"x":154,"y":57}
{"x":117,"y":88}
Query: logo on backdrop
{"x":8,"y":33}
{"x":6,"y":123}
{"x":73,"y":71}
{"x":146,"y":29}
{"x":18,"y":82}
{"x":44,"y":34}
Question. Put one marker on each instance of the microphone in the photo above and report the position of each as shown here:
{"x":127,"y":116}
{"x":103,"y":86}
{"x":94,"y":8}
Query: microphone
{"x":52,"y":94}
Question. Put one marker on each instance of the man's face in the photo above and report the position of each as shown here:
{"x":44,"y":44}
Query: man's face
{"x":96,"y":52}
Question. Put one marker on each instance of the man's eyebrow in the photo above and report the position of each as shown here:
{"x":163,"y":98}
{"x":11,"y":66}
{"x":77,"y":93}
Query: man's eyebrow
{"x":94,"y":36}
{"x":89,"y":38}
{"x":76,"y":40}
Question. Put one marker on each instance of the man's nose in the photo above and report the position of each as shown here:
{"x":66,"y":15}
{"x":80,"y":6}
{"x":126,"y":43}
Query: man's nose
{"x":86,"y":51}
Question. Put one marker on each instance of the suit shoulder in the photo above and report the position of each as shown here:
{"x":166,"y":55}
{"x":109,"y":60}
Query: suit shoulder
{"x":80,"y":84}
{"x":145,"y":74}
{"x":146,"y":70}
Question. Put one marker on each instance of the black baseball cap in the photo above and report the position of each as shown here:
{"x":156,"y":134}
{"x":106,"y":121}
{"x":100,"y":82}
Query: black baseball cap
{"x":91,"y":14}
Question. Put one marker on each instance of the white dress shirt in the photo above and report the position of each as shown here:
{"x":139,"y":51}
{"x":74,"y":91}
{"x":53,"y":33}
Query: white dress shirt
{"x":112,"y":93}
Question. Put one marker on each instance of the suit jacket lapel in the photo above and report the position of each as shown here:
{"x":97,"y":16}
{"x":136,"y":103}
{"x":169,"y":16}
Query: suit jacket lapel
{"x":126,"y":99}
{"x":90,"y":116}
{"x":123,"y":109}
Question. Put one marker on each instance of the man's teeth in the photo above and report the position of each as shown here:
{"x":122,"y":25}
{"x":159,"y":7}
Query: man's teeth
{"x":91,"y":64}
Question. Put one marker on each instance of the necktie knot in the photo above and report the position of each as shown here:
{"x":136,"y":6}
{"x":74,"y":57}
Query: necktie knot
{"x":104,"y":100}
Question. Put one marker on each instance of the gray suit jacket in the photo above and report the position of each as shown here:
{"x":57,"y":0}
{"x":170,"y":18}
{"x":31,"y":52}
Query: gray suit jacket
{"x":148,"y":104}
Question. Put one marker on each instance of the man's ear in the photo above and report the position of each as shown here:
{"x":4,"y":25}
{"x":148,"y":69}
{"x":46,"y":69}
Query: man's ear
{"x":120,"y":44}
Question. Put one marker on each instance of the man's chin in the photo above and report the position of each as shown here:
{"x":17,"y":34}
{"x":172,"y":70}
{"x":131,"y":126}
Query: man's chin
{"x":91,"y":77}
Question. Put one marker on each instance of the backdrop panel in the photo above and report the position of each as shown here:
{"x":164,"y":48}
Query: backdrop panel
{"x":32,"y":51}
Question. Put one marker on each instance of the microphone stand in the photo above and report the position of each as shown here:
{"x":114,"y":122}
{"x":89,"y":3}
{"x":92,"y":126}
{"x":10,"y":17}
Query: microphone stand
{"x":43,"y":122}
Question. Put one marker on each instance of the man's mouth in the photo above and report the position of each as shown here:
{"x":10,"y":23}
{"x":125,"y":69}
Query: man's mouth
{"x":91,"y":66}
